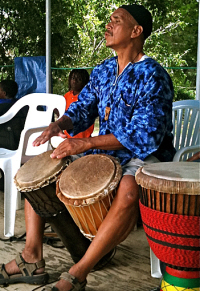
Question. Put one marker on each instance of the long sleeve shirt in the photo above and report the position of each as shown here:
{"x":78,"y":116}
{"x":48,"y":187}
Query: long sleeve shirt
{"x":140,"y":102}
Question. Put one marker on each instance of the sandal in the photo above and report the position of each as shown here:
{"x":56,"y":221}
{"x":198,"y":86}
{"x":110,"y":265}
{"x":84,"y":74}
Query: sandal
{"x":27,"y":273}
{"x":76,"y":286}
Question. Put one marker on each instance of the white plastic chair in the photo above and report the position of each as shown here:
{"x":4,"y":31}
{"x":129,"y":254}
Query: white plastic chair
{"x":55,"y":141}
{"x":186,"y":151}
{"x":186,"y":131}
{"x":10,"y":161}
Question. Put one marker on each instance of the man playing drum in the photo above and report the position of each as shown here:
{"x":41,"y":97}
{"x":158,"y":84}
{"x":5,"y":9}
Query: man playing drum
{"x":132,"y":95}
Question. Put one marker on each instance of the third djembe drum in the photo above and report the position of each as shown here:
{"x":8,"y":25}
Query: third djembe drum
{"x":170,"y":210}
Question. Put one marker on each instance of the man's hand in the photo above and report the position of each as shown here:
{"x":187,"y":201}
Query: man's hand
{"x":71,"y":146}
{"x":74,"y":146}
{"x":52,"y":130}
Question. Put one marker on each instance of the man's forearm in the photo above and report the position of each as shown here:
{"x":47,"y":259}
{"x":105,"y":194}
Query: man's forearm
{"x":74,"y":146}
{"x":64,"y":123}
{"x":105,"y":142}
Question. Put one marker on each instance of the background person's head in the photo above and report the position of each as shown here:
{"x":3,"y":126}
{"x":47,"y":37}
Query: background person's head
{"x":78,"y":78}
{"x":8,"y":89}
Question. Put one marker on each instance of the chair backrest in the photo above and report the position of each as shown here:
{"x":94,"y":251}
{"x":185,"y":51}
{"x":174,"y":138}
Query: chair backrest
{"x":36,"y":121}
{"x":186,"y":124}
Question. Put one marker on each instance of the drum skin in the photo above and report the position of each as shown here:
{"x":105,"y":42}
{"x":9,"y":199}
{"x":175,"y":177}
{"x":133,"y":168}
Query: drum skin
{"x":36,"y":179}
{"x":87,"y":188}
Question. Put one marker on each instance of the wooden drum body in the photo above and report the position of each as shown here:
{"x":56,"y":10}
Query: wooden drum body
{"x":87,"y":188}
{"x":36,"y":179}
{"x":170,"y":210}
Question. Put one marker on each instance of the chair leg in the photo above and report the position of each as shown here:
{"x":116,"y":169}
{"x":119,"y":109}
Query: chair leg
{"x":10,"y":202}
{"x":155,"y":266}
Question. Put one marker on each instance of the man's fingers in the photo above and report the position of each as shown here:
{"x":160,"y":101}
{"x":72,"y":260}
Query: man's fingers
{"x":61,"y":134}
{"x":56,"y":155}
{"x":52,"y":130}
{"x":40,"y":140}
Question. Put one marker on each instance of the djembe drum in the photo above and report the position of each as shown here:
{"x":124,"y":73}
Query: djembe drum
{"x":36,"y":179}
{"x":170,"y":211}
{"x":87,"y":188}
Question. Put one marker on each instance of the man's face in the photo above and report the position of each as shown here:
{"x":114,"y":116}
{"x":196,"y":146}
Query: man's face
{"x":119,"y":29}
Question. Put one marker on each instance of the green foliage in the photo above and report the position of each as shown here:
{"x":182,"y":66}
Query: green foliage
{"x":78,"y":36}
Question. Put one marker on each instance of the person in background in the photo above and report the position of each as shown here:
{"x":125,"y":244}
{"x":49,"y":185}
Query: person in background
{"x":11,"y":130}
{"x":78,"y":78}
{"x":8,"y":91}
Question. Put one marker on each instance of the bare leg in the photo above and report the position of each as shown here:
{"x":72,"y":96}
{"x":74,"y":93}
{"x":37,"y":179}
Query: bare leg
{"x":33,"y":251}
{"x":118,"y":223}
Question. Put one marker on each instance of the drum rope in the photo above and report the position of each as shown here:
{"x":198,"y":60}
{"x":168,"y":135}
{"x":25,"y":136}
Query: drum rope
{"x":73,"y":213}
{"x":77,"y":219}
{"x":85,"y":222}
{"x":183,"y":243}
{"x":88,"y":218}
{"x":92,"y":217}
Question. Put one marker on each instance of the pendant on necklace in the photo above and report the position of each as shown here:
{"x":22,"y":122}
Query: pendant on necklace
{"x":107,"y":112}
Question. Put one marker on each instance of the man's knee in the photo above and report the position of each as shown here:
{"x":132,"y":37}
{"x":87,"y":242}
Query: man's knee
{"x":128,"y":192}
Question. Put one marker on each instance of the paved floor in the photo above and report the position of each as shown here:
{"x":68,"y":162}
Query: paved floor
{"x":129,"y":270}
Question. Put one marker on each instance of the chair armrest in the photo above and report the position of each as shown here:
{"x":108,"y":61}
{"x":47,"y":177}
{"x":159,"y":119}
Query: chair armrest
{"x":16,"y":107}
{"x":27,"y":133}
{"x":185,"y":150}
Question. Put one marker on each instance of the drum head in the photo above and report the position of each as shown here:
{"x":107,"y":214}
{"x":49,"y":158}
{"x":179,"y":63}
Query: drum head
{"x":170,"y":177}
{"x":90,"y":176}
{"x":39,"y":172}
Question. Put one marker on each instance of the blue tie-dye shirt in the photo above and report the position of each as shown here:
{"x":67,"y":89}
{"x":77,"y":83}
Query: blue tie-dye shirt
{"x":140,"y":99}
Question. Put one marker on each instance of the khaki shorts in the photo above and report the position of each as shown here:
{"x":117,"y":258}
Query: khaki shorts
{"x":131,"y":167}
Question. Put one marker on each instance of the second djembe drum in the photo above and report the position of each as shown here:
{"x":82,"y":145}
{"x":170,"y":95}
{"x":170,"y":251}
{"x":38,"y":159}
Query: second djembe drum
{"x":87,"y":188}
{"x":170,"y":210}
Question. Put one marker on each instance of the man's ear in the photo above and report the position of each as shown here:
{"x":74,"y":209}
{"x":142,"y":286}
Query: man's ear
{"x":137,"y":30}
